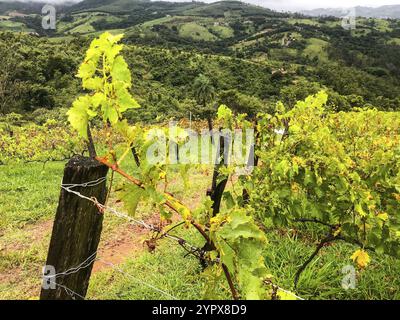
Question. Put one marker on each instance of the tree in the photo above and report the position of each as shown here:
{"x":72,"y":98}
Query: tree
{"x":204,"y":93}
{"x":241,"y":103}
{"x":8,"y":85}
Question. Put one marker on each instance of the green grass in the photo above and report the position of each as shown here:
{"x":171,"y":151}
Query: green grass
{"x":223,"y":32}
{"x":309,"y":22}
{"x":196,"y":32}
{"x":316,"y":48}
{"x":323,"y":276}
{"x":278,"y":54}
{"x":151,"y":23}
{"x":82,"y":23}
{"x":83,"y":28}
{"x":26,"y":213}
{"x":166,"y":269}
{"x":13,"y":26}
{"x":29,"y":192}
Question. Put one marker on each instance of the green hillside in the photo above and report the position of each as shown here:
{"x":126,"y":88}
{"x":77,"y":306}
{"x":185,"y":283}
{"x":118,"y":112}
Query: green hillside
{"x":302,"y":54}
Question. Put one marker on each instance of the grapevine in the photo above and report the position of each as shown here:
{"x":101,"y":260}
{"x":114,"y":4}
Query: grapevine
{"x":338,"y":170}
{"x":232,"y":235}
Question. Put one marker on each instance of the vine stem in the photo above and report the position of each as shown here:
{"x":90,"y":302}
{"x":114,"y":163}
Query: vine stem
{"x":90,"y":143}
{"x":230,"y":282}
{"x":327,"y":239}
{"x":138,"y":183}
{"x":115,"y":168}
{"x":110,"y":187}
{"x":204,"y":234}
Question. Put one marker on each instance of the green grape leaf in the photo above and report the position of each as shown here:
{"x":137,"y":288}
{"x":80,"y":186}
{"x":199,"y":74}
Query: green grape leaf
{"x":131,"y":195}
{"x":80,"y":114}
{"x":120,"y":72}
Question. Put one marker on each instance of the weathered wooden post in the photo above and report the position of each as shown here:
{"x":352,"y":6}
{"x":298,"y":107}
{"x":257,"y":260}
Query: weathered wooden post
{"x":217,"y":188}
{"x":76,"y":231}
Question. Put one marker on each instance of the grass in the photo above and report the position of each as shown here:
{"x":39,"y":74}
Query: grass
{"x":82,"y":23}
{"x":223,"y":32}
{"x":316,"y":48}
{"x":167,"y":269}
{"x":26,"y":212}
{"x":323,"y":277}
{"x":83,"y":28}
{"x":196,"y":32}
{"x":151,"y":23}
{"x":309,"y":22}
{"x":29,"y":192}
{"x":13,"y":26}
{"x":28,"y":201}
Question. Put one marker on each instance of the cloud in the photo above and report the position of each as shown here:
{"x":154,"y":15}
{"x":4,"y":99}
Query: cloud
{"x":44,"y":1}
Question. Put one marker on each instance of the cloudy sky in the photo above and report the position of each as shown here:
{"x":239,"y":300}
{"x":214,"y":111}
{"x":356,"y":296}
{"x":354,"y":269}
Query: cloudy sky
{"x":297,"y":4}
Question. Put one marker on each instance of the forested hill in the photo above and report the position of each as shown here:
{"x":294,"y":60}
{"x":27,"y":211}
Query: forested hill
{"x":251,"y":56}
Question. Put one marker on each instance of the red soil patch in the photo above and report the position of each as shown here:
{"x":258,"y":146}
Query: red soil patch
{"x":124,"y":242}
{"x":39,"y":230}
{"x":121,"y":245}
{"x":34,"y":233}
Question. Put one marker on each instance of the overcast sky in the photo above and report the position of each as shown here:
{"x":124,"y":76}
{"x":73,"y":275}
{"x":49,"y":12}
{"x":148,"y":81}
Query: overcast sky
{"x":297,"y":4}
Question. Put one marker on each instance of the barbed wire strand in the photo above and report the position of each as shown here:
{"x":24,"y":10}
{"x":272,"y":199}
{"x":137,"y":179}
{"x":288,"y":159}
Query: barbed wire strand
{"x":115,"y":267}
{"x":119,"y":214}
{"x":69,"y":291}
{"x":86,"y":184}
{"x":80,"y":266}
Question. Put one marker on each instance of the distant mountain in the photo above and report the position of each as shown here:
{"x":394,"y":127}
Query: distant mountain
{"x":191,"y":8}
{"x":392,"y":11}
{"x":23,"y":7}
{"x":29,"y":7}
{"x":128,"y":6}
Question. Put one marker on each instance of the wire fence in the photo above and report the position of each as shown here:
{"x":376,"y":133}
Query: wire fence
{"x":93,"y":257}
{"x":140,"y":223}
{"x":52,"y":279}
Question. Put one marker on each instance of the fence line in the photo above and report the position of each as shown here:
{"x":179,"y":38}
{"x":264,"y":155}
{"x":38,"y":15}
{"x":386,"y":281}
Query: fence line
{"x":69,"y":291}
{"x":82,"y":265}
{"x":91,"y":259}
{"x":141,"y":223}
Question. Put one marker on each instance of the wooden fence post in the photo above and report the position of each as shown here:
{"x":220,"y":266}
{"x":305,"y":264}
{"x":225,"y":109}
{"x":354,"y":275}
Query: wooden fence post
{"x":76,"y":231}
{"x":217,"y":188}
